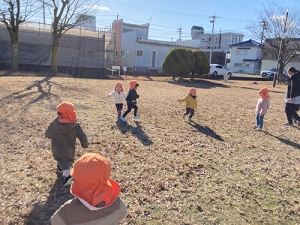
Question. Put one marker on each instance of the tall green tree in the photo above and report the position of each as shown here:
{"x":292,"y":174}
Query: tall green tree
{"x":12,"y":14}
{"x":179,"y":62}
{"x":201,"y":65}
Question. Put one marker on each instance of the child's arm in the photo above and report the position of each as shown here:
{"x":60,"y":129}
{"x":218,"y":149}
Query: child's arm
{"x":81,"y":136}
{"x":48,"y":133}
{"x":110,"y":94}
{"x":264,"y":108}
{"x":181,"y":100}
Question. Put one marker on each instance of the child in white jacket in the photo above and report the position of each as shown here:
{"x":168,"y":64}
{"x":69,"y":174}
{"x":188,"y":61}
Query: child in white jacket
{"x":262,"y":106}
{"x":119,"y":97}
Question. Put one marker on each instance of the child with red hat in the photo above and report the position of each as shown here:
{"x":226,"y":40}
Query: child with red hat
{"x":262,"y":107}
{"x":63,"y":131}
{"x":131,"y":101}
{"x":190,"y":103}
{"x":97,"y":196}
{"x":119,"y":97}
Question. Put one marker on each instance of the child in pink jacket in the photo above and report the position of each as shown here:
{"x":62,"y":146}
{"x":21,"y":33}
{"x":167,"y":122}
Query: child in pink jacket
{"x":262,"y":106}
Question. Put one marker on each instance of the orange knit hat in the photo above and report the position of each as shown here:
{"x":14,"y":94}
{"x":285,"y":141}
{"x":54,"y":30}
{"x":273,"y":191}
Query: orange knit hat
{"x":91,"y":174}
{"x":133,"y":84}
{"x":264,"y":93}
{"x":67,"y":112}
{"x":192,"y":91}
{"x":119,"y":85}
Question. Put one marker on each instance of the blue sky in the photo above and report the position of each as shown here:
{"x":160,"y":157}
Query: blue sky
{"x":167,"y":16}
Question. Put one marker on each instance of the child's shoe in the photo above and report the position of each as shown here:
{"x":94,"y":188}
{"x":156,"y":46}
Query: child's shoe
{"x":258,"y":129}
{"x":183,"y":116}
{"x":288,"y":124}
{"x":136,"y":117}
{"x":68,"y":181}
{"x":123,"y":119}
{"x":191,"y":120}
{"x":254,"y":127}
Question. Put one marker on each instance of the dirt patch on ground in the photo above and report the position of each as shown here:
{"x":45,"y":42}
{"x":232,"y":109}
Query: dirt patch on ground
{"x":214,"y":170}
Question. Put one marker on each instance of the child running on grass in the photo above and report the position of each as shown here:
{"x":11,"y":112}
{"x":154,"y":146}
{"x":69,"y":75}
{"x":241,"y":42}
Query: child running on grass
{"x":119,"y":97}
{"x":131,"y":101}
{"x":262,"y":106}
{"x":190,"y":103}
{"x":63,"y":131}
{"x":96,"y":199}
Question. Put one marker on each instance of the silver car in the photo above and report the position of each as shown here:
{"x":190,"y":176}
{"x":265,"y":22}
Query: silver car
{"x":269,"y":73}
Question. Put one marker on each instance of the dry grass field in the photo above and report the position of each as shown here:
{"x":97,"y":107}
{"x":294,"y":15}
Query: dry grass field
{"x":215,"y":170}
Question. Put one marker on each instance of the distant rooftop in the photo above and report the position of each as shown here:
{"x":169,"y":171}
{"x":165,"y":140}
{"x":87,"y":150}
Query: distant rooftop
{"x":249,"y":43}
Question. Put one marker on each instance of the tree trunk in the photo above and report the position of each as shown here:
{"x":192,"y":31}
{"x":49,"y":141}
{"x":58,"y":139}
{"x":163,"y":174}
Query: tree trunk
{"x":54,"y":58}
{"x":14,"y":49}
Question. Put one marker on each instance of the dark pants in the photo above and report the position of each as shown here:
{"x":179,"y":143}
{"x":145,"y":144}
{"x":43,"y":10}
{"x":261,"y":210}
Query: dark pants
{"x":119,"y":108}
{"x":189,"y":111}
{"x":129,"y":108}
{"x":291,"y":111}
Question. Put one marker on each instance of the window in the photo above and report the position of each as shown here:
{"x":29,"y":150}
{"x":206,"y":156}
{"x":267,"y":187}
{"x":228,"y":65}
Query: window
{"x":238,"y":65}
{"x":116,"y":55}
{"x":139,"y":53}
{"x":247,"y":65}
{"x":241,"y":52}
{"x":122,"y":54}
{"x":153,"y":58}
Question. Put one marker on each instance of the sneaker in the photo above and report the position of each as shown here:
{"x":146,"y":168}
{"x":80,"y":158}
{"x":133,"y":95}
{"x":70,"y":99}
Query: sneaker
{"x":258,"y":129}
{"x":123,"y":119}
{"x":254,"y":127}
{"x":68,"y":181}
{"x":190,"y":119}
{"x":288,"y":124}
{"x":183,"y":116}
{"x":136,"y":117}
{"x":59,"y":169}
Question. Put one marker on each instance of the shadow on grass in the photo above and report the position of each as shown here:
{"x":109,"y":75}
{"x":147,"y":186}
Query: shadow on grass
{"x":136,"y":131}
{"x":198,"y":83}
{"x":205,"y":130}
{"x":42,"y":211}
{"x":284,"y":141}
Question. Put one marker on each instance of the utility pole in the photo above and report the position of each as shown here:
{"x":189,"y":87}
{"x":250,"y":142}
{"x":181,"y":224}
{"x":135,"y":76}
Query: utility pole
{"x":117,"y":16}
{"x":279,"y":59}
{"x":180,"y":31}
{"x":212,"y":34}
{"x":264,"y":27}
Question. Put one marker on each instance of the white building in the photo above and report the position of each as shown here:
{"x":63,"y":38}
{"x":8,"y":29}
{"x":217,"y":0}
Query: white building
{"x":246,"y":57}
{"x":139,"y":54}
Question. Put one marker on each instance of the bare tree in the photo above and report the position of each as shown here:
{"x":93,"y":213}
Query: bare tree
{"x":12,"y":14}
{"x":279,"y":30}
{"x":66,"y":14}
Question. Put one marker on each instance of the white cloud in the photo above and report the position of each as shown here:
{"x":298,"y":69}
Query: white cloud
{"x":100,"y":8}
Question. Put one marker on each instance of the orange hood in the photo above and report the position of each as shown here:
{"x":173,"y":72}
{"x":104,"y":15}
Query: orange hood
{"x":132,"y":84}
{"x":192,"y":91}
{"x":264,"y":93}
{"x":91,"y":174}
{"x":67,"y":112}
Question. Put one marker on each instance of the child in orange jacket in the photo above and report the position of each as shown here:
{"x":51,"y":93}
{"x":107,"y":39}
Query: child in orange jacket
{"x":190,"y":103}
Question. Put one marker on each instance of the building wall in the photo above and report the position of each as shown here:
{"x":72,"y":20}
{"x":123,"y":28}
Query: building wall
{"x":238,"y":54}
{"x":141,"y":31}
{"x":117,"y":27}
{"x":273,"y":64}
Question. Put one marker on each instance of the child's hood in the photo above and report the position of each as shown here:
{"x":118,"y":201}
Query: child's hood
{"x":63,"y":127}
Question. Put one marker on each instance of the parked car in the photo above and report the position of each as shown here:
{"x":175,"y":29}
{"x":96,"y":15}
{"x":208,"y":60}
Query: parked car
{"x":269,"y":73}
{"x":219,"y":70}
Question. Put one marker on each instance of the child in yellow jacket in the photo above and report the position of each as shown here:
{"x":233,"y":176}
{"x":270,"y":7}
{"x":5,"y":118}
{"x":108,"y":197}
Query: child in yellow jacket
{"x":190,"y":103}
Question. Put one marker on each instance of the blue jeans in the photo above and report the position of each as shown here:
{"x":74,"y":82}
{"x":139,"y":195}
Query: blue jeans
{"x":259,"y":120}
{"x":189,"y":111}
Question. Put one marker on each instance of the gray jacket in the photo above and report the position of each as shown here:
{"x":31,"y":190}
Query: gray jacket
{"x":63,"y":137}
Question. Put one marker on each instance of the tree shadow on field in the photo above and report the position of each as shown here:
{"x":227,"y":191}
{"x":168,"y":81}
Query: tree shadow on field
{"x":42,"y":211}
{"x":204,"y":84}
{"x":285,"y":141}
{"x":136,"y":131}
{"x":205,"y":130}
